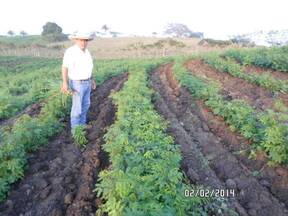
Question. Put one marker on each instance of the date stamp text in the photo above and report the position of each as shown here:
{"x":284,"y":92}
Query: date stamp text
{"x":200,"y":192}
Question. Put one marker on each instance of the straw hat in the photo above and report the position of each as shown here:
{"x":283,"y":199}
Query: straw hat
{"x":81,"y":35}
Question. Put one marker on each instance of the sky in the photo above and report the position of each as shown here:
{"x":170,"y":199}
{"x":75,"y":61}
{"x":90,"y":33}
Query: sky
{"x":217,"y":19}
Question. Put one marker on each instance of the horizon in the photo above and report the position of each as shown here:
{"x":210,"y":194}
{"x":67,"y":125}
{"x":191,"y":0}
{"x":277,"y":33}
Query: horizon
{"x":127,"y":34}
{"x":225,"y":18}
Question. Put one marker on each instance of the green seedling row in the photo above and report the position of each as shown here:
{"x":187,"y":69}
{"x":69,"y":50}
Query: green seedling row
{"x":236,"y":70}
{"x":29,"y":133}
{"x":265,"y":129}
{"x":145,"y":177}
{"x":26,"y":135}
{"x":274,"y":58}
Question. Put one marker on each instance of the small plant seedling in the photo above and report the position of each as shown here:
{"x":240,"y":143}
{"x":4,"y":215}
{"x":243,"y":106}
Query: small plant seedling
{"x":79,"y":136}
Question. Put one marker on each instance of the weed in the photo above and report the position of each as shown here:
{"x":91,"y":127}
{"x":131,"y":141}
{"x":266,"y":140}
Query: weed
{"x":78,"y":135}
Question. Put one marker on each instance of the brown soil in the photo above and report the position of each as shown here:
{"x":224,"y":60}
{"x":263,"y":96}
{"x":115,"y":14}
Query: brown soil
{"x":235,"y":88}
{"x":258,"y":70}
{"x":276,"y":74}
{"x":208,"y":150}
{"x":61,"y":177}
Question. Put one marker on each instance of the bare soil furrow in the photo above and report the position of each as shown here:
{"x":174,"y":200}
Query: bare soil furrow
{"x":61,"y":177}
{"x":235,"y":88}
{"x":184,"y":113}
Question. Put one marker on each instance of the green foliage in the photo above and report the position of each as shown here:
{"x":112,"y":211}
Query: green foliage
{"x":79,"y":134}
{"x":275,"y":58}
{"x":280,"y":106}
{"x":156,"y":45}
{"x":14,"y":64}
{"x":228,"y":66}
{"x":213,"y":42}
{"x":19,"y":41}
{"x":25,"y":84}
{"x":26,"y":135}
{"x":144,"y":178}
{"x":28,"y":131}
{"x":267,"y":129}
{"x":50,"y":28}
{"x":275,"y":137}
{"x":22,"y":86}
{"x":165,"y":42}
{"x":52,"y":32}
{"x":26,"y":80}
{"x":106,"y":69}
{"x":241,"y":117}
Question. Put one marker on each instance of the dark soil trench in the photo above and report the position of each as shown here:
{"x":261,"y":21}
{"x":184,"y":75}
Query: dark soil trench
{"x":208,"y":152}
{"x":61,"y":177}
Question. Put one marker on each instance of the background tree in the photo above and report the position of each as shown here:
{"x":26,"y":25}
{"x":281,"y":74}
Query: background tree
{"x":181,"y":30}
{"x":51,"y":28}
{"x":154,"y":34}
{"x":105,"y":28}
{"x":10,"y":33}
{"x":53,"y":32}
{"x":23,"y":33}
{"x":242,"y":40}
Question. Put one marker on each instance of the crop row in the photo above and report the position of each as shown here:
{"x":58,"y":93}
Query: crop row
{"x":228,"y":66}
{"x":28,"y":133}
{"x":105,"y":69}
{"x":265,"y":129}
{"x":30,"y":86}
{"x":144,"y":177}
{"x":275,"y":58}
{"x":21,"y":90}
{"x":15,"y":65}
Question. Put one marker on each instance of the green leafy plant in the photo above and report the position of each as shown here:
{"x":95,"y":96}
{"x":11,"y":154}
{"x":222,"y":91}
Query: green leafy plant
{"x":79,"y":134}
{"x":29,"y":133}
{"x":144,"y":178}
{"x":275,"y":137}
{"x":267,"y":130}
{"x":26,"y":135}
{"x":228,"y":66}
{"x":275,"y":58}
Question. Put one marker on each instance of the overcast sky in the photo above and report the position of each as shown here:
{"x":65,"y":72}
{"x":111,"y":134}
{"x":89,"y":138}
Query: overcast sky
{"x":216,"y":18}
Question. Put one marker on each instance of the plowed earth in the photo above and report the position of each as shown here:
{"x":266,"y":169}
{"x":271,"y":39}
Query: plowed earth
{"x":208,"y":148}
{"x":61,"y":176}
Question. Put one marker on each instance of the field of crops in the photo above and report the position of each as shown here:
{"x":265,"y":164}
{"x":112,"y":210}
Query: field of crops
{"x":197,"y":135}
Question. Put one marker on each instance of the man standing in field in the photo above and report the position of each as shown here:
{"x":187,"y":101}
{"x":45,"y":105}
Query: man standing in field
{"x":77,"y":69}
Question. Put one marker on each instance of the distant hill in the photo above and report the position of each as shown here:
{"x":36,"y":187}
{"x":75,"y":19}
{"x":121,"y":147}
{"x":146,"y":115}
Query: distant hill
{"x":21,"y":40}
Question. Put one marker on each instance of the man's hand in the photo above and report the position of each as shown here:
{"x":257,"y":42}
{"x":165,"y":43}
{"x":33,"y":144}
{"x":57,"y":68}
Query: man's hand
{"x":65,"y":88}
{"x":93,"y":84}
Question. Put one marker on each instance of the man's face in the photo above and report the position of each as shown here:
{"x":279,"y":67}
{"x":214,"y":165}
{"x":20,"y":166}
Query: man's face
{"x":82,"y":43}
